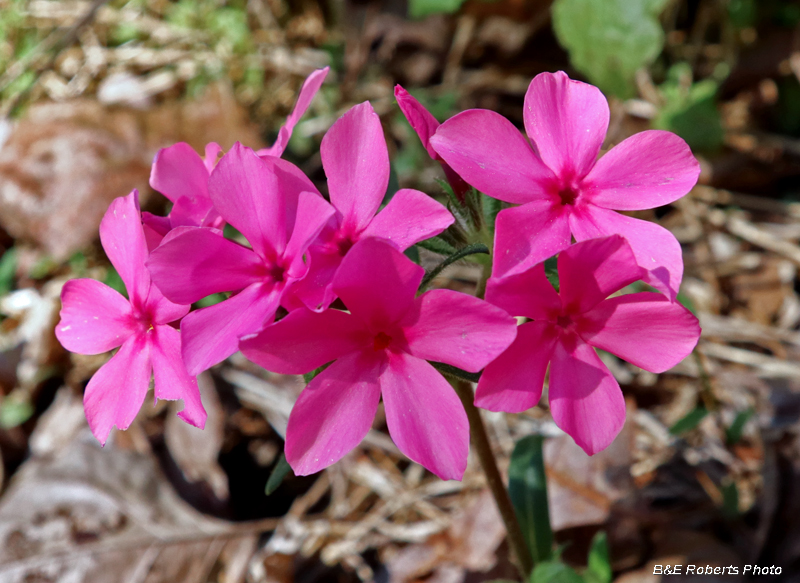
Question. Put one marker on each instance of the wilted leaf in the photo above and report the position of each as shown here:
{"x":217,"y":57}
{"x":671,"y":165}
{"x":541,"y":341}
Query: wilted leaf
{"x":85,"y":513}
{"x":609,"y":40}
{"x":196,"y":450}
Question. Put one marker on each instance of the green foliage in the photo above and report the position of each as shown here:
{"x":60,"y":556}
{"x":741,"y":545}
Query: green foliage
{"x":281,"y":470}
{"x":227,"y":25}
{"x":554,"y":572}
{"x":15,"y":410}
{"x":733,"y":434}
{"x":8,"y":268}
{"x":310,"y":376}
{"x":527,"y":487}
{"x":786,"y":116}
{"x":211,"y":300}
{"x":598,"y":569}
{"x":42,"y":268}
{"x":730,"y":499}
{"x":690,"y":109}
{"x":551,"y":272}
{"x":609,"y":40}
{"x":475,"y":248}
{"x":691,"y":420}
{"x":114,"y":281}
{"x":743,"y":13}
{"x":437,"y":245}
{"x":422,"y":8}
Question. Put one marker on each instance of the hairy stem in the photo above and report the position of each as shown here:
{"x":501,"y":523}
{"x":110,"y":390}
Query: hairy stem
{"x":481,"y":445}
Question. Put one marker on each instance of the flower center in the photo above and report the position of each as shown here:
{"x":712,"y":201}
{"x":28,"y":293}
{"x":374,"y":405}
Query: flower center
{"x":277,"y":272}
{"x":381,"y":341}
{"x":563,"y":321}
{"x":344,"y":245}
{"x":568,"y":195}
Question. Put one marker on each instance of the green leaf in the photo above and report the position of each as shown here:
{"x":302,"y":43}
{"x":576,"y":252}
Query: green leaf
{"x":551,"y":272}
{"x":554,"y":572}
{"x":599,"y":567}
{"x":14,"y":411}
{"x":281,"y":470}
{"x":455,"y":372}
{"x":527,"y":487}
{"x":690,"y":109}
{"x":8,"y":269}
{"x":438,"y":245}
{"x":609,"y":40}
{"x":114,"y":281}
{"x":211,"y":300}
{"x":689,"y":422}
{"x":310,"y":376}
{"x":422,"y":8}
{"x":412,"y":253}
{"x":730,"y":500}
{"x":491,"y":206}
{"x":42,"y":268}
{"x":733,"y":434}
{"x":473,"y":249}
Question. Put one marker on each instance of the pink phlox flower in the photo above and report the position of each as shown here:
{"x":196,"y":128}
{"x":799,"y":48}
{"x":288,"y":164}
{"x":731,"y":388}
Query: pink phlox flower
{"x":381,"y":349}
{"x":96,"y":319}
{"x":356,"y":163}
{"x":424,"y":124}
{"x":280,"y":212}
{"x":646,"y":329}
{"x":563,"y":188}
{"x":181,"y":175}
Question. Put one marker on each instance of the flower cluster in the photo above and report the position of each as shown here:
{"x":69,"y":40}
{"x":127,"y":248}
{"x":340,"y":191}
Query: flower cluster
{"x":335,"y":267}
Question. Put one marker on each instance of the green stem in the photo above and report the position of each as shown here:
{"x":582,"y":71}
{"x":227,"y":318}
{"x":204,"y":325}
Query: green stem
{"x":481,"y":446}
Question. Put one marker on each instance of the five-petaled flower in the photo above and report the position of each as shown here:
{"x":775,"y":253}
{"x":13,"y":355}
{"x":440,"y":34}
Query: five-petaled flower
{"x":181,"y":175}
{"x":279,"y":212}
{"x":585,"y":400}
{"x":564,"y":190}
{"x":380,"y":349}
{"x":96,"y":319}
{"x":356,"y":162}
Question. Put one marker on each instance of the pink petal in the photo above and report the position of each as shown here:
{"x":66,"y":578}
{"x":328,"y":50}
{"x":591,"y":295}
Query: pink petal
{"x":420,"y":119}
{"x":410,"y":217}
{"x":567,"y":122}
{"x":315,"y":290}
{"x":191,"y":213}
{"x":155,"y":227}
{"x":307,"y":92}
{"x":199,"y":262}
{"x":585,"y":399}
{"x":94,"y":317}
{"x":172,"y":382}
{"x":333,"y":413}
{"x":305,"y":340}
{"x":527,"y":235}
{"x":313,"y":212}
{"x":457,"y":329}
{"x":425,"y":416}
{"x":258,"y":197}
{"x":123,"y":241}
{"x":210,"y":335}
{"x":590,"y":271}
{"x":487,"y":151}
{"x":163,"y":311}
{"x":513,"y":381}
{"x":179,"y":171}
{"x":116,"y":392}
{"x":655,"y":248}
{"x":377,"y":282}
{"x":645,"y":329}
{"x":527,"y":294}
{"x":648,"y":170}
{"x":356,"y":162}
{"x":213,"y":150}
